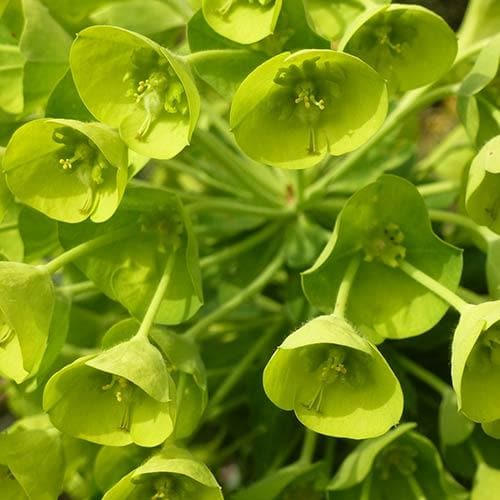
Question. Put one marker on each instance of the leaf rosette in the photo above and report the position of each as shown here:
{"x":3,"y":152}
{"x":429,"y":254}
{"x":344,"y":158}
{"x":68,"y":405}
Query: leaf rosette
{"x":337,"y":383}
{"x":475,"y":361}
{"x":121,"y":396}
{"x":243,"y":21}
{"x":173,"y":474}
{"x":386,"y":222}
{"x":67,"y":169}
{"x":129,"y":271}
{"x":482,"y":196}
{"x":409,"y":45}
{"x":147,"y":93}
{"x":400,"y":464}
{"x":26,"y":306}
{"x":295,"y":108}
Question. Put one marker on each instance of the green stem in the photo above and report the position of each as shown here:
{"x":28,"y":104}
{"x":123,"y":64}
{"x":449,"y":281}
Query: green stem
{"x":85,"y":248}
{"x":434,"y":286}
{"x":346,"y":285}
{"x":239,"y":168}
{"x":234,"y":206}
{"x":436,"y":188}
{"x":199,"y":329}
{"x":241,"y":368}
{"x":308,"y":447}
{"x":78,"y":288}
{"x":470,"y":296}
{"x":8,"y":226}
{"x":421,"y":374}
{"x":409,"y":104}
{"x":484,"y":233}
{"x":154,"y":305}
{"x":238,"y":248}
{"x":476,"y":453}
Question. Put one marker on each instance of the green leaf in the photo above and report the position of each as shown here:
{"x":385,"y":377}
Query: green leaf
{"x":23,"y":337}
{"x":6,"y":198}
{"x":120,"y":396}
{"x":359,"y":463}
{"x":492,"y":429}
{"x":410,"y":46}
{"x":337,"y":383}
{"x":272,"y":485}
{"x":34,"y":459}
{"x":156,"y":118}
{"x":145,"y":18}
{"x":330,"y":20}
{"x":172,"y":472}
{"x":244,"y":22}
{"x":482,"y":196}
{"x":383,"y":299}
{"x":295,"y":108}
{"x":130,"y":273}
{"x":67,"y":169}
{"x":454,"y":427}
{"x":45,"y":45}
{"x":493,"y":268}
{"x":475,"y":361}
{"x":11,"y":79}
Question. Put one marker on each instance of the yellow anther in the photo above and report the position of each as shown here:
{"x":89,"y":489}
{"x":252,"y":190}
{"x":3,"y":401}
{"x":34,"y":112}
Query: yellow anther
{"x":66,"y":163}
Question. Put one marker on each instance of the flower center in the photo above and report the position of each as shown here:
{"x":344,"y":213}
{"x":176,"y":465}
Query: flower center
{"x":79,"y":154}
{"x":226,"y":8}
{"x":155,"y":87}
{"x":385,"y":245}
{"x":166,"y":487}
{"x":123,"y":391}
{"x":329,"y":371}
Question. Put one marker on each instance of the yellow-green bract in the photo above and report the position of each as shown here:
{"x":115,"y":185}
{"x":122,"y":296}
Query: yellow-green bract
{"x":129,"y":82}
{"x":69,"y":170}
{"x":123,"y":395}
{"x":26,"y":306}
{"x":173,"y":473}
{"x":386,"y":222}
{"x":482,"y":197}
{"x":408,"y":45}
{"x":475,"y":362}
{"x":295,"y":108}
{"x":336,"y":382}
{"x":243,"y":21}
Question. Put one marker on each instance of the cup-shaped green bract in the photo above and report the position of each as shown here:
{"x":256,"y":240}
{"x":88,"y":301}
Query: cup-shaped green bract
{"x":129,"y":270}
{"x":400,"y":464}
{"x":31,"y":462}
{"x":295,"y":108}
{"x":129,"y":82}
{"x":26,"y":305}
{"x":172,"y":474}
{"x":331,"y":19}
{"x":67,"y":169}
{"x":410,"y":46}
{"x":482,"y":197}
{"x":184,"y":364}
{"x":243,"y":21}
{"x":475,"y":361}
{"x":492,"y":428}
{"x":336,"y":382}
{"x":187,"y":369}
{"x":385,"y":222}
{"x":123,"y":395}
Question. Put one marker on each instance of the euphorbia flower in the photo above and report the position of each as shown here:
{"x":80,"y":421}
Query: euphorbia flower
{"x":244,"y":21}
{"x":69,"y":170}
{"x":295,"y":108}
{"x":172,"y":474}
{"x":26,"y":306}
{"x":147,"y":92}
{"x":337,"y":382}
{"x":475,"y":362}
{"x":482,"y":198}
{"x":123,"y":395}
